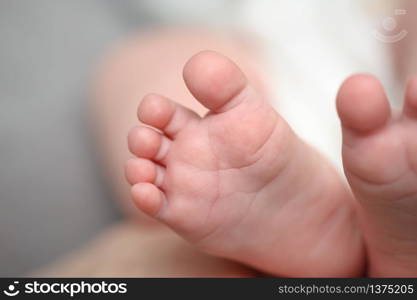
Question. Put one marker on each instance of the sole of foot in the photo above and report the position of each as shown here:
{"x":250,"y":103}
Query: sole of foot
{"x":380,"y":161}
{"x":238,"y":183}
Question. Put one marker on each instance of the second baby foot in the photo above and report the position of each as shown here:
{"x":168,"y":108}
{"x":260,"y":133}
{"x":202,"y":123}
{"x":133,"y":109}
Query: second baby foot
{"x":380,"y":161}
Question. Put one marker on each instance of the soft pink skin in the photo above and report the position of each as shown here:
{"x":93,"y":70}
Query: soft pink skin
{"x":239,"y":183}
{"x":380,"y":161}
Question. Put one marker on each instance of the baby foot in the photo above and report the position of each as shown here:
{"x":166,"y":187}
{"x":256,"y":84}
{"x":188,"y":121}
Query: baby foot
{"x":239,"y":183}
{"x":380,"y":161}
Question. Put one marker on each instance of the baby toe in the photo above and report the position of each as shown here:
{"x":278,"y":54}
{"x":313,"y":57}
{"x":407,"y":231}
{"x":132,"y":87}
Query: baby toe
{"x":139,"y":170}
{"x":147,"y":143}
{"x":148,"y":198}
{"x":362,"y":104}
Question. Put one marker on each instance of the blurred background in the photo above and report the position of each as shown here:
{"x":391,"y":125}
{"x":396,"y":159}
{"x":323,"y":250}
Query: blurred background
{"x":53,"y":196}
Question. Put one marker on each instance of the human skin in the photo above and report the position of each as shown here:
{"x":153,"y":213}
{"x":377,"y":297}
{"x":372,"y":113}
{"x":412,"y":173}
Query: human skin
{"x":126,"y":73}
{"x":239,"y":183}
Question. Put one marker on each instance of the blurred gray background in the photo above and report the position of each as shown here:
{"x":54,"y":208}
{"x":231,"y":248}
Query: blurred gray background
{"x":52,"y":198}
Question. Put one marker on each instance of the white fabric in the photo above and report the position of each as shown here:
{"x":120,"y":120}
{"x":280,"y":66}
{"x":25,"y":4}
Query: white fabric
{"x":314,"y":46}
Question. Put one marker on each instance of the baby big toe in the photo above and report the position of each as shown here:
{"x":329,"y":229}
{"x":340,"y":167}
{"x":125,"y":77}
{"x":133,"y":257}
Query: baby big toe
{"x":362,"y":104}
